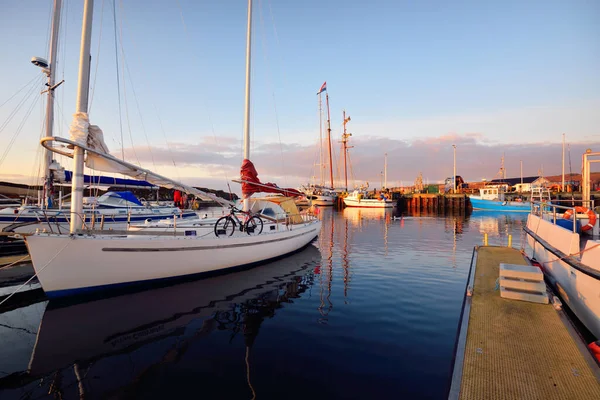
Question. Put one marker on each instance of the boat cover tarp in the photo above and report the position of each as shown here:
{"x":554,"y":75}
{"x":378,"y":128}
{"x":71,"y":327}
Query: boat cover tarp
{"x":251,"y":184}
{"x":286,"y":203}
{"x":127,"y":196}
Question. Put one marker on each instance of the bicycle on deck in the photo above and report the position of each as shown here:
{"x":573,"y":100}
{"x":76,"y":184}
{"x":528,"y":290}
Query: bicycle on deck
{"x":252,"y":224}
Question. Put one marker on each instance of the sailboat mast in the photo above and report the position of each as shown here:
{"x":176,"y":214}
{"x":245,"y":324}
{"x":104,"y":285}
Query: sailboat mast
{"x":329,"y":140}
{"x":248,"y":71}
{"x":345,"y":137}
{"x":385,"y":171}
{"x":246,"y":206}
{"x":47,"y":196}
{"x":521,"y":188}
{"x":321,"y":167}
{"x":82,"y":107}
{"x":562,"y":188}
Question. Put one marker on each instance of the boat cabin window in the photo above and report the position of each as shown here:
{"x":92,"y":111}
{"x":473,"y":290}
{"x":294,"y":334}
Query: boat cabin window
{"x":268,"y":211}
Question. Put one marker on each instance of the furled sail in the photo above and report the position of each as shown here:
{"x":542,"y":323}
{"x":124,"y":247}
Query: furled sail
{"x":251,"y":184}
{"x":90,"y":138}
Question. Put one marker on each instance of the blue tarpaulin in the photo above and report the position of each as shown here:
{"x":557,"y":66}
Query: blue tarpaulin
{"x":130,"y":197}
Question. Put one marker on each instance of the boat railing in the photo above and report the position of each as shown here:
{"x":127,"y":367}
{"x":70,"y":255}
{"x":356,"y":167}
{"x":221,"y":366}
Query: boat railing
{"x":550,"y":211}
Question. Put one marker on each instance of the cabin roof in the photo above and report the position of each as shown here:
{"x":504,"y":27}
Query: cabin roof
{"x":515,"y":181}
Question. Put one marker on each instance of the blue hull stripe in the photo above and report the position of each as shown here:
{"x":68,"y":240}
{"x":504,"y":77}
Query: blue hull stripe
{"x":491,"y":205}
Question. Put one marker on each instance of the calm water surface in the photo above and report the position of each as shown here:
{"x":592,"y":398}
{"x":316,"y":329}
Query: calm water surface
{"x":370,"y":310}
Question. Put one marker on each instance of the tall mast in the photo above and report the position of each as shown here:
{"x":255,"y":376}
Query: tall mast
{"x":345,"y":137}
{"x":247,"y":97}
{"x":82,"y":107}
{"x":562,"y":188}
{"x":321,"y":166}
{"x":47,"y":195}
{"x":329,"y":140}
{"x":385,"y":172}
{"x":521,"y":189}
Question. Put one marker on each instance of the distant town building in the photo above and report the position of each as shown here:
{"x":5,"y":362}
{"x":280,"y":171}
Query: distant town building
{"x":528,"y":182}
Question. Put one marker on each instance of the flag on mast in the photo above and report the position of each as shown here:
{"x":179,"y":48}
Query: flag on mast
{"x":323,"y":88}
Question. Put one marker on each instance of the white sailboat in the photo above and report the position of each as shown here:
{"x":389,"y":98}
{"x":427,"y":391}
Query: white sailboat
{"x":84,"y":261}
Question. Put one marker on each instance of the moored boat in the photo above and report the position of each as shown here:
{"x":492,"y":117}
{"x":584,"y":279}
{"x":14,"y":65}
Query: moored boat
{"x":493,"y":198}
{"x":360,"y":198}
{"x":565,"y":241}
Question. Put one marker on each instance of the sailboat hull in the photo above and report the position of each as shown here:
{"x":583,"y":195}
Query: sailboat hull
{"x":68,"y":265}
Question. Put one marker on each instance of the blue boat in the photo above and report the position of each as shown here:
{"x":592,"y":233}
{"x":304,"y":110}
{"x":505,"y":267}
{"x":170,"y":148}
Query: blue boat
{"x":495,"y":205}
{"x":493,"y":199}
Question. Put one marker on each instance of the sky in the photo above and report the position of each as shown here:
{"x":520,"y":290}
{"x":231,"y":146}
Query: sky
{"x":495,"y":78}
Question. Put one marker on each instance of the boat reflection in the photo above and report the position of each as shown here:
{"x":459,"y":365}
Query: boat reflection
{"x":83,"y":342}
{"x":498,"y":223}
{"x":360,"y":216}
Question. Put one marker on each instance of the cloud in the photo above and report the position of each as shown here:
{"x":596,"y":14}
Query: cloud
{"x":292,"y":164}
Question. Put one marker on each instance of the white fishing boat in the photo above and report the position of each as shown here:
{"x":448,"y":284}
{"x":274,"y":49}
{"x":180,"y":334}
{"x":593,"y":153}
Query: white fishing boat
{"x":565,"y":241}
{"x":362,"y":198}
{"x":84,"y":260}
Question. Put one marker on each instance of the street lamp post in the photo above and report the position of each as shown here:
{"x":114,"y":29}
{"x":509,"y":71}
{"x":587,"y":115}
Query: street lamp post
{"x":454,"y":174}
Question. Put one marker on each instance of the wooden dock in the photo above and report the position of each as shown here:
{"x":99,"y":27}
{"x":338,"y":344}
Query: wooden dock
{"x":509,"y":349}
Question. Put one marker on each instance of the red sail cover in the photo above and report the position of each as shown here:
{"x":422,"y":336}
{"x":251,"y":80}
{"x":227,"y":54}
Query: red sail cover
{"x":251,"y":184}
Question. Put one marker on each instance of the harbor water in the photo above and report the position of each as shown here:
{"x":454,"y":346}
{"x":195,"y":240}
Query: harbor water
{"x":369,"y":310}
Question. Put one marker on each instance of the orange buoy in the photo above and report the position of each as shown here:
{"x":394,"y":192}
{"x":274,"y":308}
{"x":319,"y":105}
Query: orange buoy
{"x":595,"y":349}
{"x":582,"y":210}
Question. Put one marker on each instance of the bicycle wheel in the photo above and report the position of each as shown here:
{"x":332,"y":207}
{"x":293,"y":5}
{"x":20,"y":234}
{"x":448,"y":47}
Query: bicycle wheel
{"x":254,"y":226}
{"x":224,"y":226}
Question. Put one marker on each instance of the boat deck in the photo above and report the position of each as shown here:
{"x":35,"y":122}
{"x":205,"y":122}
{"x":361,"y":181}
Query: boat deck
{"x":509,"y":349}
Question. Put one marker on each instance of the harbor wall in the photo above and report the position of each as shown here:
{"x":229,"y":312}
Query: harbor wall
{"x":434,"y":203}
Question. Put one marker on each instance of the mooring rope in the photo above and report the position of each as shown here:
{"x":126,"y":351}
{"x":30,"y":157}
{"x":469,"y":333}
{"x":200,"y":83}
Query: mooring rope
{"x":36,"y":274}
{"x":13,"y":263}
